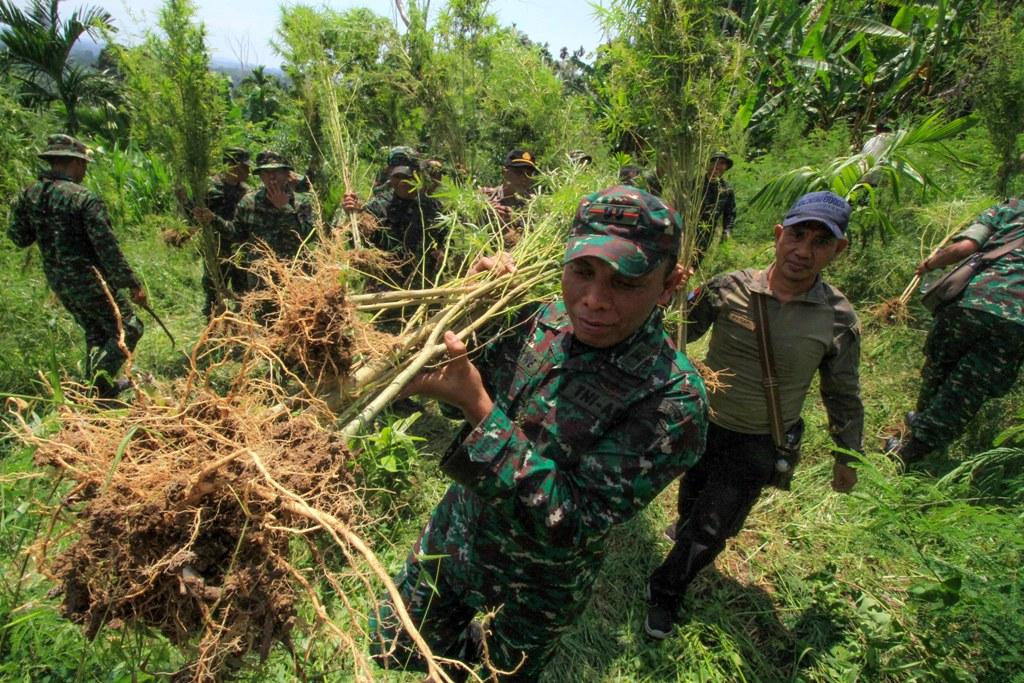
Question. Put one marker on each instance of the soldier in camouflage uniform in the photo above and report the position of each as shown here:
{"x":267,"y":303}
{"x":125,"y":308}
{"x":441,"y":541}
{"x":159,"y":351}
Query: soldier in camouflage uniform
{"x":71,"y":226}
{"x":814,"y":330}
{"x":275,"y":215}
{"x":226,"y":191}
{"x":518,"y":184}
{"x":575,"y":420}
{"x":975,"y":347}
{"x":397,"y":156}
{"x":407,"y":218}
{"x":718,"y":202}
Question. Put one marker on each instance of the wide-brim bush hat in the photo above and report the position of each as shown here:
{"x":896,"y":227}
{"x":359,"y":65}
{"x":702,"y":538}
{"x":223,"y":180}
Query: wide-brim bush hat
{"x":61,"y":146}
{"x":271,"y":161}
{"x":715,"y":156}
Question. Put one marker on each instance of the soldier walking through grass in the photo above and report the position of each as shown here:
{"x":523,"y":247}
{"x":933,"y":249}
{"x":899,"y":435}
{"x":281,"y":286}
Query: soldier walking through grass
{"x":80,"y":253}
{"x":576,"y":419}
{"x":975,"y":346}
{"x":406,"y":217}
{"x":813,"y":329}
{"x":275,"y":215}
{"x":518,"y":184}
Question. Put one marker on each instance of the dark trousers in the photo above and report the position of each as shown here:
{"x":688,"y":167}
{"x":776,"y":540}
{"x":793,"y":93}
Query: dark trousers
{"x":103,"y":354}
{"x":715,"y":498}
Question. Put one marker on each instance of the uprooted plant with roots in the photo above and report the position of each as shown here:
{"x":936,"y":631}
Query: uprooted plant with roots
{"x":176,"y":524}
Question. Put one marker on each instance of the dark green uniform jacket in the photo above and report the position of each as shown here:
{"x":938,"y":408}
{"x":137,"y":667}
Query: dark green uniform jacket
{"x":579,"y":440}
{"x":283,"y":229}
{"x":71,"y":226}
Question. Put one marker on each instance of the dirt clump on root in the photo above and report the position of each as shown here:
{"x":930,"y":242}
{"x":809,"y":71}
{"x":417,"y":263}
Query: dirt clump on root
{"x":306,"y":319}
{"x":892,"y":312}
{"x":174,"y":527}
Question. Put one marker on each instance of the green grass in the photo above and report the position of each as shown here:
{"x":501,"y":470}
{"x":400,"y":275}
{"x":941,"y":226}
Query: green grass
{"x":910,"y":578}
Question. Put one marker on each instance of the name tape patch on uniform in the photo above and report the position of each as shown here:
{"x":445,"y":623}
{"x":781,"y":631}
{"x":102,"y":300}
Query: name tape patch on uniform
{"x":741,"y":320}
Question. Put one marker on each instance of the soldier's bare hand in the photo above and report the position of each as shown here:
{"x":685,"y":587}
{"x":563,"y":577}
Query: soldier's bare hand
{"x":277,"y":195}
{"x":351,"y":202}
{"x":139,"y":296}
{"x":844,"y":477}
{"x":202,"y":215}
{"x":457,"y":382}
{"x":500,"y":264}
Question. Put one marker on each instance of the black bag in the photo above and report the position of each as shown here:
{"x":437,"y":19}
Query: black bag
{"x":950,"y":286}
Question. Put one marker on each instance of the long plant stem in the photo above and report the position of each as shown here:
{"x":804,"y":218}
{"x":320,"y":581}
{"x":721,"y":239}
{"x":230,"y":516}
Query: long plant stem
{"x":340,"y":532}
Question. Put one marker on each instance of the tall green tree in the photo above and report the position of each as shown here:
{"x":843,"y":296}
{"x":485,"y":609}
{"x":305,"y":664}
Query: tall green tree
{"x":262,"y":95}
{"x":178,"y":104}
{"x":996,"y":62}
{"x":37,"y":49}
{"x":667,"y":84}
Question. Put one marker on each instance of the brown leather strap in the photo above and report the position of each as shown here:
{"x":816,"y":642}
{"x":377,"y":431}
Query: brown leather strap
{"x":769,"y":380}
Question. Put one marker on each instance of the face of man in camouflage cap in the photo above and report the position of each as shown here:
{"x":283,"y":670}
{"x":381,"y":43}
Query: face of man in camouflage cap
{"x":69,"y":153}
{"x":620,"y":262}
{"x":273,"y":169}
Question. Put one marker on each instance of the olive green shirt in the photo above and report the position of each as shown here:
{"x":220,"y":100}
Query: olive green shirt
{"x":814,"y":332}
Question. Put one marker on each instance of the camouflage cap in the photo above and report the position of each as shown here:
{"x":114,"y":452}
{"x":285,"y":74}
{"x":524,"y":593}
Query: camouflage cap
{"x":715,"y":156}
{"x":628,"y":228}
{"x":402,"y":156}
{"x":236,"y":155}
{"x":271,"y":161}
{"x":60,"y":145}
{"x":578,"y":156}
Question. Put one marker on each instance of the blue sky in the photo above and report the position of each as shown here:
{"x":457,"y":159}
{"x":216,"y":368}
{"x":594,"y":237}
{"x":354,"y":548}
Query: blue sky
{"x":241,"y":31}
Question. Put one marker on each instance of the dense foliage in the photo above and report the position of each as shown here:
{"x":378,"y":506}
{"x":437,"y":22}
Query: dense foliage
{"x":910,"y":579}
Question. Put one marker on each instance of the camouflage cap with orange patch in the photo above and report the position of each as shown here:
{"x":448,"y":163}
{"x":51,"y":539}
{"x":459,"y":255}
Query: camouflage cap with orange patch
{"x":628,"y":228}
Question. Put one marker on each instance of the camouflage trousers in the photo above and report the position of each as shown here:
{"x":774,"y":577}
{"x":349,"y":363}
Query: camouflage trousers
{"x":443,"y":594}
{"x":970,"y":357}
{"x":86,"y":301}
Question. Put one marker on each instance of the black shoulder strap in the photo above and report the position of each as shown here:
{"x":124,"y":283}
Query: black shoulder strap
{"x":1002,"y":251}
{"x":769,"y":380}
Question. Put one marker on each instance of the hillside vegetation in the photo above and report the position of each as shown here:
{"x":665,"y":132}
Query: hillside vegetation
{"x":912,"y":577}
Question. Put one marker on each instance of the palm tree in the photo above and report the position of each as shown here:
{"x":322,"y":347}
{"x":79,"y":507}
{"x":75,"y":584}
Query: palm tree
{"x":36,"y":48}
{"x":908,"y":161}
{"x":262,"y":93}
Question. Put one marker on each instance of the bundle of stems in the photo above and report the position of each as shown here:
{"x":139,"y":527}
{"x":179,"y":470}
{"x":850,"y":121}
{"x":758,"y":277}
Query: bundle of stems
{"x":467,"y":305}
{"x":896,"y":310}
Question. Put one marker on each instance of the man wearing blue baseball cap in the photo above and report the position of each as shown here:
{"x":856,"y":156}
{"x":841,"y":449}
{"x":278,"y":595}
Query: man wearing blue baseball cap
{"x":754,"y":431}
